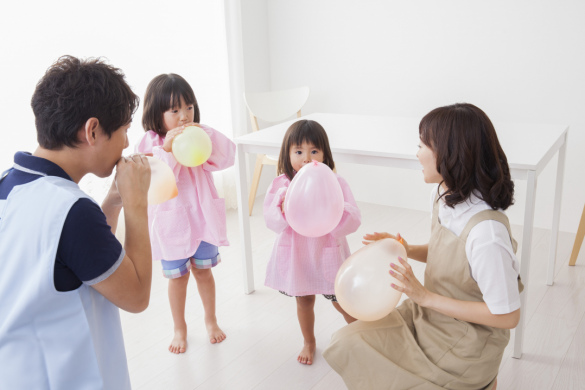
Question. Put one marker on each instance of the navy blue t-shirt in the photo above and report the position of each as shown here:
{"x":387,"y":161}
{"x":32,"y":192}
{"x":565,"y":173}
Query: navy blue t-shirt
{"x":87,"y":248}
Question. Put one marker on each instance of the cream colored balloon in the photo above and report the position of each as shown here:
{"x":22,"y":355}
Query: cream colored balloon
{"x":163,"y":185}
{"x":192,"y":147}
{"x":363,"y":283}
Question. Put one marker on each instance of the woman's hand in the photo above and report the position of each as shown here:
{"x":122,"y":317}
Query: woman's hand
{"x":369,"y":238}
{"x":412,"y":287}
{"x":171,"y":134}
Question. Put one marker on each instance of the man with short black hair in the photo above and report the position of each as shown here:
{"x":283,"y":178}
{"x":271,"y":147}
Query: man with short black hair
{"x":64,"y":274}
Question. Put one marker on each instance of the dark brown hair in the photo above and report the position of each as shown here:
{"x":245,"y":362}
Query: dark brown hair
{"x":163,"y":93}
{"x":299,"y":132}
{"x":469,"y":156}
{"x":74,"y":90}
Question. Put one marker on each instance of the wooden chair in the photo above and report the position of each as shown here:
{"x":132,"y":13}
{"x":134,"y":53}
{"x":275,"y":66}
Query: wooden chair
{"x":273,"y":106}
{"x":578,"y":239}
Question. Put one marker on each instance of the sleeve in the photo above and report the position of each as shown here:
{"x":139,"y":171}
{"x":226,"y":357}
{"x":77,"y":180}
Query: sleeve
{"x":352,"y":218}
{"x":273,"y":216}
{"x":87,"y":245}
{"x":494,"y":266}
{"x":169,"y":159}
{"x":152,"y":143}
{"x":223,"y":151}
{"x":149,"y":140}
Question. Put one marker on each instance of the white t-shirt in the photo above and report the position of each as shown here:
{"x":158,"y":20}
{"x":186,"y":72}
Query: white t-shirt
{"x":492,"y":262}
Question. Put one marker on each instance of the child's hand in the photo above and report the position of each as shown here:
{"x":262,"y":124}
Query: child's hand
{"x":171,"y":134}
{"x":369,"y":238}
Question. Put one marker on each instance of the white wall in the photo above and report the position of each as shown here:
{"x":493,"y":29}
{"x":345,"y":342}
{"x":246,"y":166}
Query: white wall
{"x":144,"y":39}
{"x":520,"y":61}
{"x":256,"y":46}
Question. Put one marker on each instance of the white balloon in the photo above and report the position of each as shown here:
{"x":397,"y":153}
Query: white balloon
{"x":363,"y":283}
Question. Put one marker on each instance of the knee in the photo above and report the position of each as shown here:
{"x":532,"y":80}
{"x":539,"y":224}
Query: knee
{"x":202,"y":275}
{"x":306,"y":302}
{"x":180,"y":281}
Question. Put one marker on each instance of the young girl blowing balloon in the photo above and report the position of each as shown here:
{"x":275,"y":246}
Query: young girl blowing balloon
{"x":304,"y":266}
{"x":452,"y":331}
{"x":186,"y":231}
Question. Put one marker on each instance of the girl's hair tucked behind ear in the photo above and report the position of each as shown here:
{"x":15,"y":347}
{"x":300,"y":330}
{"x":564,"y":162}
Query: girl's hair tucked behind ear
{"x":299,"y":132}
{"x":163,"y":93}
{"x":469,"y":156}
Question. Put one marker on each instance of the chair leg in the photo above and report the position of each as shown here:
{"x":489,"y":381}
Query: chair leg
{"x":255,"y":182}
{"x":578,"y":239}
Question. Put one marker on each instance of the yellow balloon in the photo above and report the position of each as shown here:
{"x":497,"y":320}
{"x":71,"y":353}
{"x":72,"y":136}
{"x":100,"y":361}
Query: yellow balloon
{"x":363,"y":283}
{"x":192,"y":147}
{"x":163,"y":185}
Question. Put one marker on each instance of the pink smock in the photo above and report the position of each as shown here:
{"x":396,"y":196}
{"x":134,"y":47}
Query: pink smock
{"x":197,"y":214}
{"x":302,"y":265}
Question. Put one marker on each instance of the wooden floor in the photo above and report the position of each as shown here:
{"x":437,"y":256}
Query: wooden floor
{"x":264,"y":338}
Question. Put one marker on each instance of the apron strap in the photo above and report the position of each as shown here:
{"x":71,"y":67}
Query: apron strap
{"x":486,"y":215}
{"x":492,"y":215}
{"x":435,"y":215}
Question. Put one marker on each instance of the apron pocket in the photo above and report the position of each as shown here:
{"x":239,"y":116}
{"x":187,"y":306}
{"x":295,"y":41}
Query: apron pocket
{"x":169,"y":231}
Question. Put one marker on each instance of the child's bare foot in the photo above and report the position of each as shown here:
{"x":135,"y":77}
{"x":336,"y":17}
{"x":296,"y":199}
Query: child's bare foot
{"x":179,"y":343}
{"x":216,"y":335}
{"x":307,"y":353}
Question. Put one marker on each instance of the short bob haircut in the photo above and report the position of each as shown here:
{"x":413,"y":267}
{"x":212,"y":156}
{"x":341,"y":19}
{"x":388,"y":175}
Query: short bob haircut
{"x":73,"y":91}
{"x":299,"y":132}
{"x":163,"y":93}
{"x":469,"y":156}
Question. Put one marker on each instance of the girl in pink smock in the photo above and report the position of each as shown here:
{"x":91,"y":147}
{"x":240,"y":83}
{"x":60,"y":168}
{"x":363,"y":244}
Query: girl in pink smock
{"x":303,"y":266}
{"x":185,"y":232}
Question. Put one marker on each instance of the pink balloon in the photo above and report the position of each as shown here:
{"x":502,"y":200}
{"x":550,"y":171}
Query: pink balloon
{"x":314,"y":202}
{"x":363,"y":283}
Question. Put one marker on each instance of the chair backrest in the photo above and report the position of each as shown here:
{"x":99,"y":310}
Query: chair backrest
{"x":276,"y":106}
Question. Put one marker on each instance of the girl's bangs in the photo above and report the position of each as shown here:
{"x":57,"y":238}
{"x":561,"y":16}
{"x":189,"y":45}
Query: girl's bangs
{"x":308,"y":135}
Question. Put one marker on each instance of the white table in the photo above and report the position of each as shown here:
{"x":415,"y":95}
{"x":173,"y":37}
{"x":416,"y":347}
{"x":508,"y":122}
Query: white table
{"x":390,"y":141}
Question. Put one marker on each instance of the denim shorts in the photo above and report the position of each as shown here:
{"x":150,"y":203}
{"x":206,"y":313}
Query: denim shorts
{"x":206,"y":256}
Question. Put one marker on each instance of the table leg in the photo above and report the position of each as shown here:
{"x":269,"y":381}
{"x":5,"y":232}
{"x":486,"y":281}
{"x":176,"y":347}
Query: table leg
{"x":554,"y":237}
{"x":244,"y":218}
{"x":525,"y":259}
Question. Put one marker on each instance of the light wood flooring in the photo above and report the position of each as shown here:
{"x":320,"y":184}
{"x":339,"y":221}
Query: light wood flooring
{"x":264,"y":338}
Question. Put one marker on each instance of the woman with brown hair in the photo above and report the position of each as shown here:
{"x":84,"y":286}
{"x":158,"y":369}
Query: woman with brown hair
{"x":452,"y":331}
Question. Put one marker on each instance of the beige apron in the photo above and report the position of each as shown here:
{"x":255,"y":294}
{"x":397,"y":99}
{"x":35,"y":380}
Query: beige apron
{"x":419,"y":348}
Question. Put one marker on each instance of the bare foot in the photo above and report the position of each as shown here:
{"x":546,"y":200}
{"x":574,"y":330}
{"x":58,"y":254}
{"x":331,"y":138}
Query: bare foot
{"x":179,"y":343}
{"x":307,"y":353}
{"x":216,"y":335}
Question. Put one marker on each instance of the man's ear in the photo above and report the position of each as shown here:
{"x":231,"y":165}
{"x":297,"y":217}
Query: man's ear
{"x":90,"y":131}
